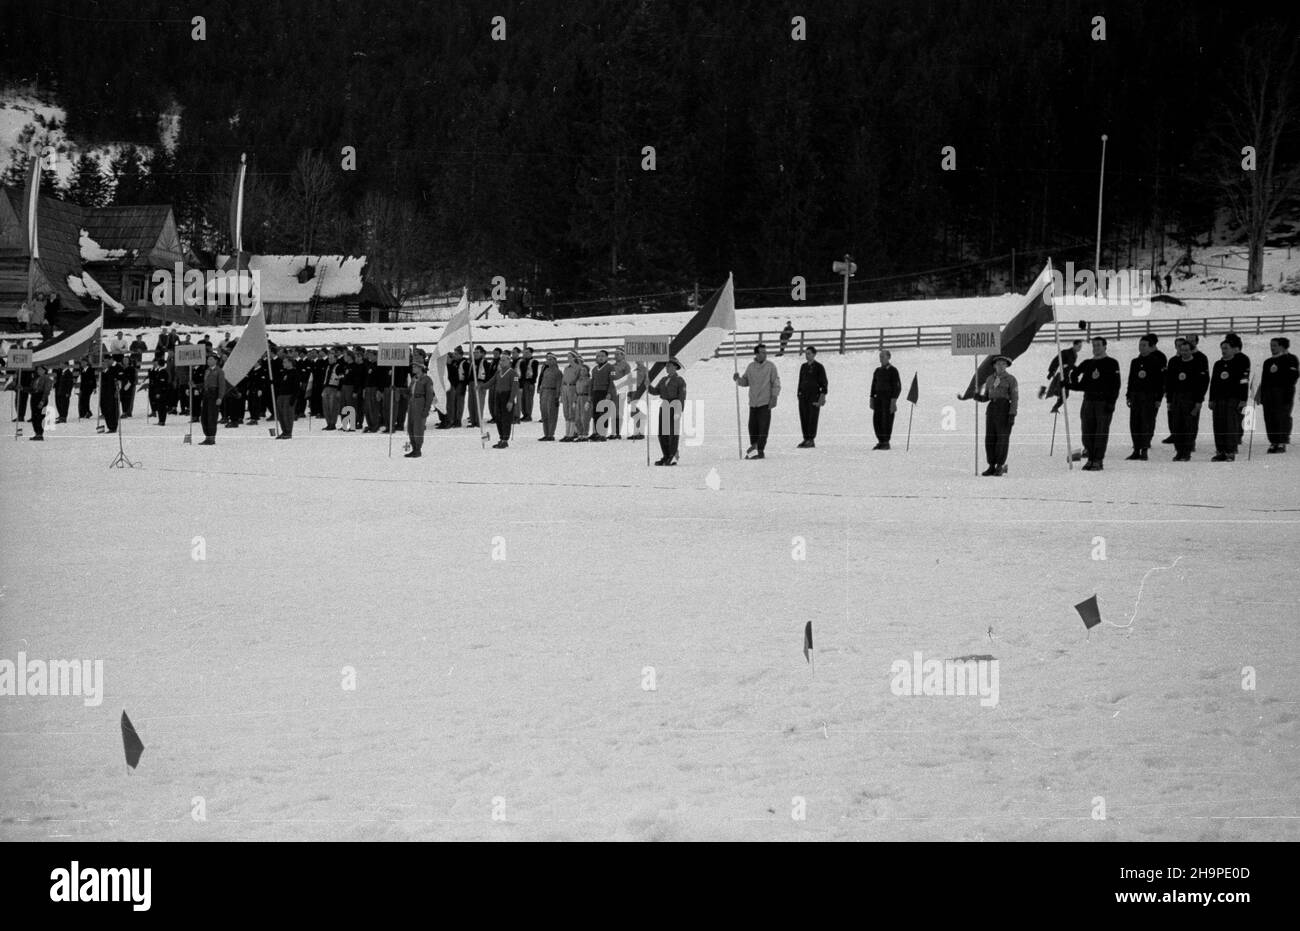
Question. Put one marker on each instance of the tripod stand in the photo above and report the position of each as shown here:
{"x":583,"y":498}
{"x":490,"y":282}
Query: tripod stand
{"x":121,"y":460}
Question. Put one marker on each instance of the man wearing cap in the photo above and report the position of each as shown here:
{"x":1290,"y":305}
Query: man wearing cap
{"x":602,"y":387}
{"x":671,"y":392}
{"x":420,"y":404}
{"x":549,"y":382}
{"x":811,"y":395}
{"x":1185,"y":385}
{"x":1098,"y":379}
{"x":1002,"y":392}
{"x":504,"y":395}
{"x":764,"y":384}
{"x":1276,"y":392}
{"x":1229,"y":395}
{"x":214,"y":392}
{"x":1146,"y":386}
{"x":569,"y":397}
{"x":886,"y":386}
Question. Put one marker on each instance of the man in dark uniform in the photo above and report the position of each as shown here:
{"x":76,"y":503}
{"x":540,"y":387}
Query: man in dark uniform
{"x":1002,"y":392}
{"x":1059,"y":382}
{"x":671,"y":392}
{"x":213,"y":393}
{"x":886,"y":386}
{"x":288,"y":387}
{"x":527,"y":383}
{"x":86,"y":388}
{"x":505,"y":390}
{"x":476,"y":385}
{"x":316,"y":366}
{"x":1146,"y":386}
{"x":458,"y":379}
{"x":602,"y":379}
{"x":63,"y":388}
{"x":811,"y":395}
{"x":376,"y":381}
{"x":1203,"y":363}
{"x":128,"y":379}
{"x":40,"y":397}
{"x":1098,"y":379}
{"x":1229,"y":395}
{"x":1277,"y":392}
{"x":110,"y":387}
{"x":1185,"y":385}
{"x":159,"y":390}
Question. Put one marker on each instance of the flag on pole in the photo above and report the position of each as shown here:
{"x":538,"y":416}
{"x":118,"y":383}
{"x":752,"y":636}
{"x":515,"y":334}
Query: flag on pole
{"x":33,"y":197}
{"x":453,"y":334}
{"x":73,"y":343}
{"x":237,"y":209}
{"x":705,"y":331}
{"x":1090,"y":612}
{"x":249,"y":350}
{"x":1019,"y":332}
{"x":807,"y":641}
{"x":914,"y":392}
{"x":131,"y":742}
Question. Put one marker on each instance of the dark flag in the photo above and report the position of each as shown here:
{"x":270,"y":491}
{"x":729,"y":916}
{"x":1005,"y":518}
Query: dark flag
{"x":914,"y":392}
{"x":1089,"y":611}
{"x":131,"y":742}
{"x":807,"y":641}
{"x":1020,"y":331}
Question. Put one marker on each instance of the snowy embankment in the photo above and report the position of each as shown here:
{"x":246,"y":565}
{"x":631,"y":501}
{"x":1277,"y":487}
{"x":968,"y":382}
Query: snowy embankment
{"x":518,"y":685}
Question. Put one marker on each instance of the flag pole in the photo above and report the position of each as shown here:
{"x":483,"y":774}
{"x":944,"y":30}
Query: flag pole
{"x":392,"y":396}
{"x":1060,"y":371}
{"x":1250,"y":399}
{"x":977,"y":415}
{"x":911,"y":414}
{"x":473,"y":372}
{"x":735,"y":367}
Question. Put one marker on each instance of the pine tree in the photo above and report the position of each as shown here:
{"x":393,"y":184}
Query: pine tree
{"x":88,"y":186}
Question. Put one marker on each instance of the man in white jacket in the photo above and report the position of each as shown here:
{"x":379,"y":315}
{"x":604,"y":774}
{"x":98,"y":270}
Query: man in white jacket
{"x":764,"y":386}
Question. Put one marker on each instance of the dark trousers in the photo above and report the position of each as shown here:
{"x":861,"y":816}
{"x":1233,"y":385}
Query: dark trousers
{"x":1277,"y":419}
{"x":348,"y":398}
{"x":61,"y":403}
{"x":158,"y":400}
{"x":1226,"y":419}
{"x":415,"y":423}
{"x":286,"y":409}
{"x":603,"y":416}
{"x":1142,"y":412}
{"x":615,"y":413}
{"x":128,"y":400}
{"x":550,"y":410}
{"x":527,"y":391}
{"x":22,"y":405}
{"x":299,"y":404}
{"x":108,"y":407}
{"x":882,"y":419}
{"x":504,"y":418}
{"x":403,"y":402}
{"x":38,"y":417}
{"x":317,"y":402}
{"x":997,"y":431}
{"x":211,"y":409}
{"x":1096,"y":418}
{"x":1183,"y":424}
{"x":331,"y":403}
{"x":478,"y":402}
{"x":83,"y":405}
{"x":372,"y":401}
{"x":456,"y":405}
{"x":809,"y":414}
{"x":670,"y":426}
{"x":760,"y":421}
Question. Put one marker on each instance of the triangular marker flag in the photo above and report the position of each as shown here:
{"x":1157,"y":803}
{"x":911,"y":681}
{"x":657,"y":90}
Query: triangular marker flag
{"x":913,"y":393}
{"x":807,"y":641}
{"x":1089,"y":611}
{"x":131,"y":742}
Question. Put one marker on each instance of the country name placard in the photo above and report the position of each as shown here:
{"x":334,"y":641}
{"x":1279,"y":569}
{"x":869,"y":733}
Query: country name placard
{"x":188,"y":356}
{"x":20,"y":359}
{"x":394,"y":354}
{"x":648,"y":349}
{"x":976,"y":339}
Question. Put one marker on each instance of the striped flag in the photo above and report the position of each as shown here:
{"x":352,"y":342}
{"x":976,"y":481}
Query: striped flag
{"x":33,"y":201}
{"x":705,"y":331}
{"x":73,"y":343}
{"x":1019,"y":332}
{"x":250,"y":349}
{"x":453,"y":334}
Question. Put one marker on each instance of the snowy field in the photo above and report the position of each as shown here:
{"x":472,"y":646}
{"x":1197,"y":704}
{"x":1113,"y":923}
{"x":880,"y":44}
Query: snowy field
{"x":514,"y":686}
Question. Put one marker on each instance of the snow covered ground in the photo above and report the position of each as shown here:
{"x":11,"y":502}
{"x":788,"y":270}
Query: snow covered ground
{"x":514,"y":686}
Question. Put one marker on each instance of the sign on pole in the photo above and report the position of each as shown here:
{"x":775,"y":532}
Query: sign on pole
{"x":188,"y":356}
{"x":647,"y":350}
{"x":20,"y":358}
{"x":394,"y":354}
{"x":845,"y":268}
{"x":976,"y":339}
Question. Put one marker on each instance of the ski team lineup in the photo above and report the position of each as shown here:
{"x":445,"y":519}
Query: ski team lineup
{"x":249,"y":379}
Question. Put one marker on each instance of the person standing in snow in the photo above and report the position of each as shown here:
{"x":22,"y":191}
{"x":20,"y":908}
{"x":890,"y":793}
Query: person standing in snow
{"x":1276,"y":392}
{"x":40,"y":396}
{"x":549,"y":382}
{"x":764,"y":384}
{"x":1098,"y":379}
{"x":505,"y":393}
{"x":671,"y":392}
{"x":1002,"y":393}
{"x":421,"y":403}
{"x":602,"y":386}
{"x":785,"y":337}
{"x":886,"y":386}
{"x":1229,"y":395}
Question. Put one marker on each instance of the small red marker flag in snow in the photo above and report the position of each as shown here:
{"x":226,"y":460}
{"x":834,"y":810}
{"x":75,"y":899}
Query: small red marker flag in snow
{"x":807,"y":641}
{"x":1089,"y":611}
{"x":131,"y":742}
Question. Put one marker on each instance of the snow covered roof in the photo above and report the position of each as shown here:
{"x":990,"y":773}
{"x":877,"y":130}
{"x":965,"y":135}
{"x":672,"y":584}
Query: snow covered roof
{"x":88,"y":288}
{"x":279,"y":276}
{"x":92,"y":251}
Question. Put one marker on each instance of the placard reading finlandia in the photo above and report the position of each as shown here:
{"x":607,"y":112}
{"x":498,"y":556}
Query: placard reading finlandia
{"x":20,"y":358}
{"x":394,"y":354}
{"x":976,"y":339}
{"x":648,"y":349}
{"x":187,"y":356}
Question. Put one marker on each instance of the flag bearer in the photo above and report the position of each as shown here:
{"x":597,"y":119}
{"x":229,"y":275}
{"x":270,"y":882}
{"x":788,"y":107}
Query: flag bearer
{"x":671,"y":392}
{"x":764,"y":388}
{"x":1002,"y":392}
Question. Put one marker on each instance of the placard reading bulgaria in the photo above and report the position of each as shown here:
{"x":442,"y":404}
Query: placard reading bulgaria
{"x":648,"y":349}
{"x":187,"y":356}
{"x":394,"y":353}
{"x":20,"y":359}
{"x":976,"y":339}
